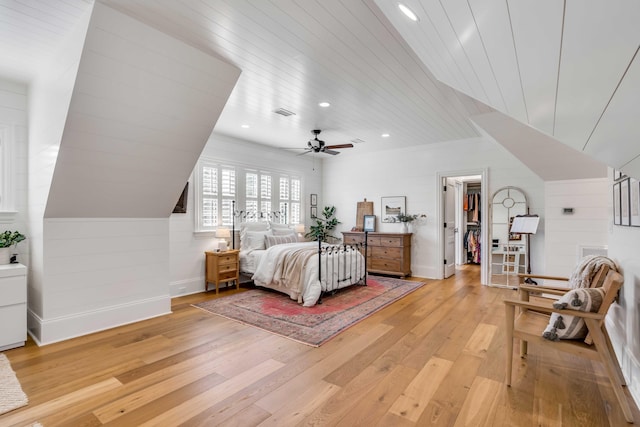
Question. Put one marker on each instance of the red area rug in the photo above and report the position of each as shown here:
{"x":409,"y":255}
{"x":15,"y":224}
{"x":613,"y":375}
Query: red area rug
{"x":277,"y":313}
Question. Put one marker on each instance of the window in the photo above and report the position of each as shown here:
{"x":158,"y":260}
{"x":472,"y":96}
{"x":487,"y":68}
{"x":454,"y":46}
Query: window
{"x":260,"y":194}
{"x":217,"y":190}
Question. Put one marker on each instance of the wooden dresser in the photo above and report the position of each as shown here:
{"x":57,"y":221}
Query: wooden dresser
{"x":389,"y":253}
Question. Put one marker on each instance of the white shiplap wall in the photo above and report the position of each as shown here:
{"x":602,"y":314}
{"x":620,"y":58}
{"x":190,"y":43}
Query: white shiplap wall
{"x":623,"y":321}
{"x":412,"y":173}
{"x":13,"y":119}
{"x":187,"y":247}
{"x":134,"y":112}
{"x":49,"y":97}
{"x":587,"y":226}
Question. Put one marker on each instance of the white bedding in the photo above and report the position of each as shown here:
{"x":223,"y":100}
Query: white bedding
{"x":249,"y":260}
{"x":292,"y":268}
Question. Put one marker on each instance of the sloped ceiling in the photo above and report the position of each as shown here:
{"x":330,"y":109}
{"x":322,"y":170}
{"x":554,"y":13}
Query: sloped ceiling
{"x":142,"y":109}
{"x":567,"y":68}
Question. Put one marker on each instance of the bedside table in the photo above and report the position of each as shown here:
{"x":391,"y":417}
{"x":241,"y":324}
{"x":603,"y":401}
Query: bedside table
{"x":221,"y":267}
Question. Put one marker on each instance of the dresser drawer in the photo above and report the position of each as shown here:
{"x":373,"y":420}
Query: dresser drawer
{"x":384,"y":252}
{"x":391,"y":242}
{"x":13,"y":290}
{"x":385,"y":264}
{"x":352,"y":238}
{"x":373,"y":241}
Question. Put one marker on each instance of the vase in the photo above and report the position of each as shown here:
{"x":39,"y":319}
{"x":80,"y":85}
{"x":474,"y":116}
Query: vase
{"x":5,"y":255}
{"x":405,"y":227}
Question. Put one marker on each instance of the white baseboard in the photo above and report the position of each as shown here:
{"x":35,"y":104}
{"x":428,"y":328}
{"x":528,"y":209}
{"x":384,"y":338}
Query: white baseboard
{"x":184,"y":287}
{"x":423,"y":271}
{"x":49,"y":331}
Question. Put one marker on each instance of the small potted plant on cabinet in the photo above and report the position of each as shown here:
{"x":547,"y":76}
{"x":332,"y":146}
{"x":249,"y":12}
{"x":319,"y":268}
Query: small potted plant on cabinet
{"x":8,"y":239}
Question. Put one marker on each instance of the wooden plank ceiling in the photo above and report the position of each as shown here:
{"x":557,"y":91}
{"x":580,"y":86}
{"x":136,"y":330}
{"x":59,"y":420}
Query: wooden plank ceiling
{"x":566,"y":68}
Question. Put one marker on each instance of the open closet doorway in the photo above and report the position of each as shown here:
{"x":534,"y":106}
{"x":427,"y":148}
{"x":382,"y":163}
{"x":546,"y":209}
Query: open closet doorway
{"x":463,"y":208}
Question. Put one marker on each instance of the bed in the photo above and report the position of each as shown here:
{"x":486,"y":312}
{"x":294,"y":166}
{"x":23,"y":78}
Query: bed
{"x":305,"y":271}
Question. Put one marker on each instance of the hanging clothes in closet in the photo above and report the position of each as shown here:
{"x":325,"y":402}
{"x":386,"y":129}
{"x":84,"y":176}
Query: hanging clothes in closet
{"x":472,"y":245}
{"x":471,"y":204}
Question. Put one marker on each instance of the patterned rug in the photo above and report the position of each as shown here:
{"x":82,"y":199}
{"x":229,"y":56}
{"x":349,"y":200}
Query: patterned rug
{"x":277,"y":313}
{"x":11,"y":394}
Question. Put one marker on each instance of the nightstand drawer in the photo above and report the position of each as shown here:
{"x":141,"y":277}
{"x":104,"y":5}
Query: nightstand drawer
{"x":227,"y":275}
{"x":227,"y":259}
{"x":223,"y":268}
{"x":349,"y":238}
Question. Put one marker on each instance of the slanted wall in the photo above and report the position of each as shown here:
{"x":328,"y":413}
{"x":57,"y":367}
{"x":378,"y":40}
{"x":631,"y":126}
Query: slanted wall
{"x":142,"y":108}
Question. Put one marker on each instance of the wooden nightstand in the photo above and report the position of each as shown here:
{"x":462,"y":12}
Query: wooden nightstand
{"x":220,"y":267}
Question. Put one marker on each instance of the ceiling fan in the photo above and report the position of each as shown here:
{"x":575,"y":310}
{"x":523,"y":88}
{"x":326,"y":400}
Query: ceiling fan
{"x":316,"y":145}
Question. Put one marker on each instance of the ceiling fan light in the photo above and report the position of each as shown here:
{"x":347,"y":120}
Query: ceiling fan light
{"x":408,"y":12}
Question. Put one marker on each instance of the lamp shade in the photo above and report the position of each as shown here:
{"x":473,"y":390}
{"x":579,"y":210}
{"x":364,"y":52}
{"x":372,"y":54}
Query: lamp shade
{"x":223,"y":233}
{"x":299,"y":228}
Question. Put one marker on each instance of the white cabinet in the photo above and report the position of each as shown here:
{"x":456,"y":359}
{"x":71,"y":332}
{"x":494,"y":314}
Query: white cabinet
{"x":13,"y":306}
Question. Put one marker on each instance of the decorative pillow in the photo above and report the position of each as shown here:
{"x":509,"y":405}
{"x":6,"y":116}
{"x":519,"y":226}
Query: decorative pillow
{"x":278,"y":240}
{"x":254,"y":226}
{"x":278,"y":226}
{"x":283,"y":231}
{"x":253,"y":240}
{"x":566,"y":327}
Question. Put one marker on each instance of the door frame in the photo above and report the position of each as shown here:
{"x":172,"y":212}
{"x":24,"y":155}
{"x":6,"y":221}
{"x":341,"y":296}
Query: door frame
{"x":484,"y":211}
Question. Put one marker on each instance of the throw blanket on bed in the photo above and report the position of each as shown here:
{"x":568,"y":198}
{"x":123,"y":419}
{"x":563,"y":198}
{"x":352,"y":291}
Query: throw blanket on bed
{"x":280,"y":261}
{"x":290,"y":268}
{"x":587,"y":269}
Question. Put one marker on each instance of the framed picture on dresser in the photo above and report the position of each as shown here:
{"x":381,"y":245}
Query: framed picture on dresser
{"x":369,"y":223}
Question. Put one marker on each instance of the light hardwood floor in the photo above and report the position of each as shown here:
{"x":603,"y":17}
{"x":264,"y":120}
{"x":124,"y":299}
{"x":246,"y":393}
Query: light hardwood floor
{"x":436,"y":357}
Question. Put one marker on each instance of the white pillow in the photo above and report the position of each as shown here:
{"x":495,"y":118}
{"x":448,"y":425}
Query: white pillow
{"x":278,"y":226}
{"x":279,"y":240}
{"x":283,"y":231}
{"x":253,"y":240}
{"x":254,"y":226}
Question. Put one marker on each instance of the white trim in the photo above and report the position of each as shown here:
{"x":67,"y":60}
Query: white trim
{"x":7,"y":217}
{"x":484,"y":180}
{"x":191,"y":286}
{"x":49,"y":331}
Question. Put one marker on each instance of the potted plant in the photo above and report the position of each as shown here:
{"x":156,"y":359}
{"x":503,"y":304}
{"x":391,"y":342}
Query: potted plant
{"x":8,"y":239}
{"x":323,"y":226}
{"x":408,"y":219}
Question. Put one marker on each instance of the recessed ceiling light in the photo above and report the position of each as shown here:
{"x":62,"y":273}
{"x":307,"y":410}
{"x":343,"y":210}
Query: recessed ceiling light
{"x":245,"y":126}
{"x":408,"y":12}
{"x":385,"y":135}
{"x":324,"y":104}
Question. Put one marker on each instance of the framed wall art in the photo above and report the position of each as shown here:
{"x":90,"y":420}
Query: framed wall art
{"x":392,"y":207}
{"x":369,"y":223}
{"x":616,"y":204}
{"x":314,"y":200}
{"x":314,"y":212}
{"x":624,"y":202}
{"x":634,"y":201}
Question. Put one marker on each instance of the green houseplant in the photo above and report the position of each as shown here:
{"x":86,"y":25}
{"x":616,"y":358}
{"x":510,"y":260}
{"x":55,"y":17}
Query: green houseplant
{"x":10,"y":238}
{"x":324,"y":225}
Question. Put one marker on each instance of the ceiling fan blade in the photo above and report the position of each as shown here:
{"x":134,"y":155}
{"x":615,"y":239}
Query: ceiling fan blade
{"x":339,"y":146}
{"x":332,"y":152}
{"x":304,"y":152}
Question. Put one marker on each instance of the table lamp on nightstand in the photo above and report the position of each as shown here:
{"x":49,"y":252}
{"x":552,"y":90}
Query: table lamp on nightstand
{"x":299,"y":230}
{"x":222,"y":234}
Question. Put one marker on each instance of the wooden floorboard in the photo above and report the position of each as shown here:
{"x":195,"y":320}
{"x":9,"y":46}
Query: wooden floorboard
{"x":434,"y":358}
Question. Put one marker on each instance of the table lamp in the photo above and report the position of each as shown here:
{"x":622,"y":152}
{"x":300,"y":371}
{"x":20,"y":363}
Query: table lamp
{"x":222,"y":233}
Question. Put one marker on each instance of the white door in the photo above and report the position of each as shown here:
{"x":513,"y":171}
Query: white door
{"x":449,"y":230}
